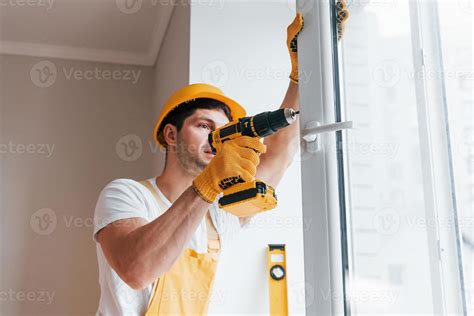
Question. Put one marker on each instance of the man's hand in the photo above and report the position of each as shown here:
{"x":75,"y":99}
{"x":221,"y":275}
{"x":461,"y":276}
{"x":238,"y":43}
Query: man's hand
{"x":342,"y":16}
{"x":237,"y":160}
{"x":292,"y":42}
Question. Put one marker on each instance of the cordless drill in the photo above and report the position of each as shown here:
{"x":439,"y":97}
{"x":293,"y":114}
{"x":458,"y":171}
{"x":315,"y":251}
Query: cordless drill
{"x":248,"y":198}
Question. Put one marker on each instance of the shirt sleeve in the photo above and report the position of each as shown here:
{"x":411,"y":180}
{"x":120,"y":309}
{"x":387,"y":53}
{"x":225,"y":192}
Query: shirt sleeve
{"x":120,"y":199}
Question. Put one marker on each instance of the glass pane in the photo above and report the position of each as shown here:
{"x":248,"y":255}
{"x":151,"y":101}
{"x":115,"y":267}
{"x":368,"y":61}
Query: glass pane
{"x":389,"y":250}
{"x":456,"y":40}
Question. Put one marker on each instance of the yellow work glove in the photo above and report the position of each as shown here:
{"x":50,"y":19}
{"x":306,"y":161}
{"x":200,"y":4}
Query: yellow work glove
{"x":342,"y":16}
{"x":292,"y":42}
{"x":236,"y":162}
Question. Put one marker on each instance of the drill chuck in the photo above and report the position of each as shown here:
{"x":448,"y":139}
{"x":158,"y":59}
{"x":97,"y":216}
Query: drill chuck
{"x":260,"y":125}
{"x":267,"y":123}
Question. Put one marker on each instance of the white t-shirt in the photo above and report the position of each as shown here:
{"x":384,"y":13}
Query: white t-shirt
{"x":126,"y":198}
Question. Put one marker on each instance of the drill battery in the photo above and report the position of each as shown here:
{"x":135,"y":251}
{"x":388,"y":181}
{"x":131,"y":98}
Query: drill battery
{"x":248,"y":198}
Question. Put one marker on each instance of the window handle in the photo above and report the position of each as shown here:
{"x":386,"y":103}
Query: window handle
{"x":313,"y":128}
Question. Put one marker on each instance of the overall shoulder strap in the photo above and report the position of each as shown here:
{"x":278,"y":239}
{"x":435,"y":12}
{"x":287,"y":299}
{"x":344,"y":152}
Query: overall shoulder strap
{"x":153,"y":192}
{"x":213,"y":241}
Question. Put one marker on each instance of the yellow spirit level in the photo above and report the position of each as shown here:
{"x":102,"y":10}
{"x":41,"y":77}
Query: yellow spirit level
{"x":277,"y":279}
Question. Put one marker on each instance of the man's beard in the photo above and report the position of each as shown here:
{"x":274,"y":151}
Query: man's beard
{"x":189,"y":158}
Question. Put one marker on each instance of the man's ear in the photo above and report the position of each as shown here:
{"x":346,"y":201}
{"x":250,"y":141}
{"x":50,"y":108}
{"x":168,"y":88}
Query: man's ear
{"x":170,"y":134}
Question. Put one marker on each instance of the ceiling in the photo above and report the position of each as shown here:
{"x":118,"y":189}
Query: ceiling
{"x":113,"y":31}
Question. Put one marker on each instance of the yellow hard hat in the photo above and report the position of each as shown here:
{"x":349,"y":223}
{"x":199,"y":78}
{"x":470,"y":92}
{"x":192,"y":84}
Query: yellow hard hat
{"x":194,"y":91}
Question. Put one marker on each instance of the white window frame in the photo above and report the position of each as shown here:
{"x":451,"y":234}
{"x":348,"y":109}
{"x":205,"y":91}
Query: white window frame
{"x":322,"y":241}
{"x":324,"y":269}
{"x":439,"y":194}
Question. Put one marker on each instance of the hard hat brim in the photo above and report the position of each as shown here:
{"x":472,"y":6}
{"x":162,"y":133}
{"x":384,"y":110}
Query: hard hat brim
{"x":236,"y":110}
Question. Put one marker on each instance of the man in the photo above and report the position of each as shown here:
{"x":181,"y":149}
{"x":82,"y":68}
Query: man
{"x":153,"y":235}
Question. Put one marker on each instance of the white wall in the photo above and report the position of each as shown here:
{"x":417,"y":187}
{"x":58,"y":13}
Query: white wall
{"x":87,"y":124}
{"x":82,"y":121}
{"x":171,"y":69}
{"x":241,"y":47}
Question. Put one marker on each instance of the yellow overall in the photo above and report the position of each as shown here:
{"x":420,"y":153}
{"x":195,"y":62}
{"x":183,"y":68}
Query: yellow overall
{"x":186,"y":288}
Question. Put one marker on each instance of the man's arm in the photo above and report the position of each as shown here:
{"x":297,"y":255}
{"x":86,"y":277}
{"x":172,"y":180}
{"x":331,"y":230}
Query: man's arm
{"x":281,"y":146}
{"x":140,"y":252}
